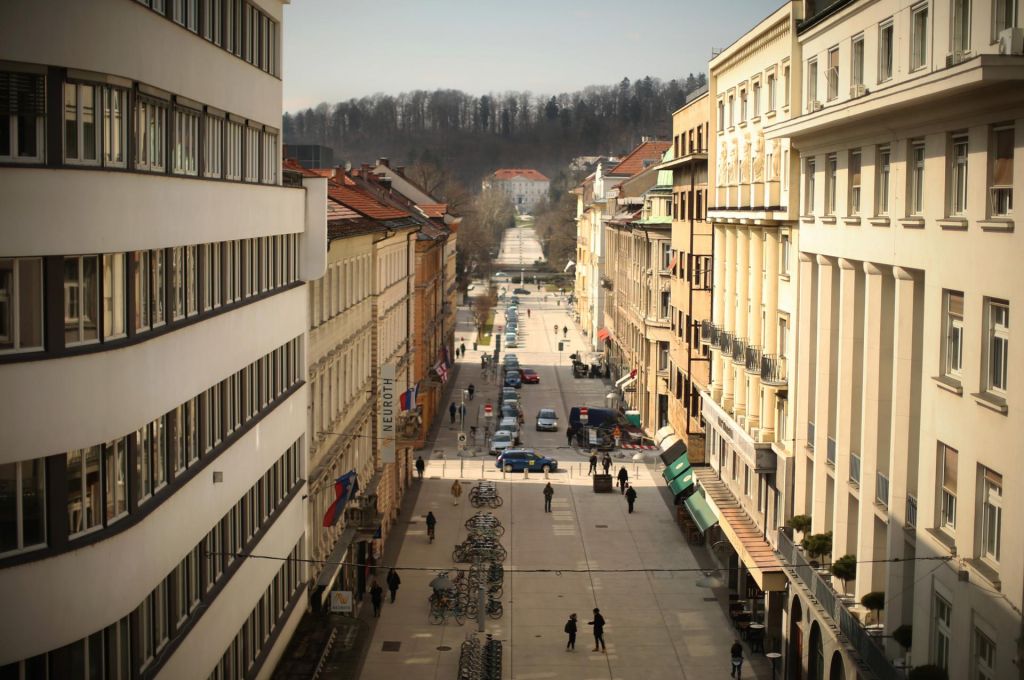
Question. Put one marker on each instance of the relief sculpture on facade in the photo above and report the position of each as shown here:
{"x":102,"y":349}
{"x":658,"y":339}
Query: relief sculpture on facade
{"x":757,"y":159}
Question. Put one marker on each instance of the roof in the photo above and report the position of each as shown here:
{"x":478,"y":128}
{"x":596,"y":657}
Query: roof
{"x":360,"y":201}
{"x":339,"y":211}
{"x":295,"y":166}
{"x":513,"y":173}
{"x":643,"y":156}
{"x":433,"y":209}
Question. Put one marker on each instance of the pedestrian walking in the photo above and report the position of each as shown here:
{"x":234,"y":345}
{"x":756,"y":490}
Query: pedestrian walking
{"x":456,"y":492}
{"x":394,"y":580}
{"x":549,"y":491}
{"x":462,"y":413}
{"x":451,"y":412}
{"x":630,"y":498}
{"x":528,"y":314}
{"x":565,"y":331}
{"x":431,"y":524}
{"x":376,"y":597}
{"x":606,"y":463}
{"x":617,"y":436}
{"x":598,"y":624}
{"x":420,"y":466}
{"x":462,"y":346}
{"x":570,"y":628}
{"x":593,"y":464}
{"x":568,"y":435}
{"x":737,"y":659}
{"x":470,"y":391}
{"x":623,"y":478}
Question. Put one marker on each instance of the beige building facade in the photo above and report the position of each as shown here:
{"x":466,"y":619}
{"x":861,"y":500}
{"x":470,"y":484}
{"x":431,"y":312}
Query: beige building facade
{"x":909,"y":156}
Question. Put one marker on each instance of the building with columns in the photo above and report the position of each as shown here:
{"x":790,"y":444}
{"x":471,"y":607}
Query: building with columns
{"x":746,"y":406}
{"x":907,"y":433}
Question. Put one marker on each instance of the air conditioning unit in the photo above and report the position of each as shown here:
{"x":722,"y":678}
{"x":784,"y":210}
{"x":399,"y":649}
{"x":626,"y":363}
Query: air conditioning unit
{"x":858,"y":90}
{"x":958,"y":57}
{"x":1011,"y":41}
{"x":814,"y":105}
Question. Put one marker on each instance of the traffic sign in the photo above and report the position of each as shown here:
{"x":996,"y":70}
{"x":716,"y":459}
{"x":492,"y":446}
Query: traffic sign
{"x":488,"y":410}
{"x":462,"y":437}
{"x":584,"y":417}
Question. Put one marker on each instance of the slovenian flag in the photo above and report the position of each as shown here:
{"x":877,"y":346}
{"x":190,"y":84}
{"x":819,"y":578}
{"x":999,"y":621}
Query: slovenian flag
{"x":344,"y":488}
{"x":407,"y":401}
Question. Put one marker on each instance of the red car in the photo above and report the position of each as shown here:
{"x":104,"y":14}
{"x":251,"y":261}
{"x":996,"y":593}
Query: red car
{"x":528,"y":375}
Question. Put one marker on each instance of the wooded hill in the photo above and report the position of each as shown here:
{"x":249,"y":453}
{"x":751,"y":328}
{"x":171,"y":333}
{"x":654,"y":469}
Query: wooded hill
{"x":473,"y":135}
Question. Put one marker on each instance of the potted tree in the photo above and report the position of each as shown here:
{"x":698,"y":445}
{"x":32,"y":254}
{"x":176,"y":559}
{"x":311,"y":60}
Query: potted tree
{"x":845,"y":569}
{"x":904,"y":635}
{"x":874,"y":601}
{"x":801,"y":523}
{"x":817,"y":545}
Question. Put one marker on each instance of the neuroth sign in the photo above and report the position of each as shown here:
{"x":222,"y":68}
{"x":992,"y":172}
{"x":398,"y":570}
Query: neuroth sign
{"x":387,"y":411}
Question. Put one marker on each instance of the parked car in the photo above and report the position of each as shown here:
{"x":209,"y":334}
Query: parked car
{"x":499,"y":275}
{"x":500,"y":441}
{"x":512,"y":379}
{"x":517,"y":410}
{"x":509,"y":394}
{"x":520,"y":291}
{"x":511,"y":356}
{"x":528,"y":375}
{"x":511,"y":340}
{"x":520,"y":459}
{"x":547,"y":420}
{"x":510,"y":425}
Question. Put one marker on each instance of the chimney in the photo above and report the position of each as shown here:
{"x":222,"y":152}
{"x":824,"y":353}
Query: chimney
{"x":385,"y":182}
{"x":365,"y":170}
{"x":400,"y":169}
{"x":384,"y":161}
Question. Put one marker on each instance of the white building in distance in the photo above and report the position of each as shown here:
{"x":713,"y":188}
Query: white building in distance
{"x":525,"y":187}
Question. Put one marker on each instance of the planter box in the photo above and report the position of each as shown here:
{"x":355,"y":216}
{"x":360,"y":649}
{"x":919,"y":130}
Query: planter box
{"x":603,"y":484}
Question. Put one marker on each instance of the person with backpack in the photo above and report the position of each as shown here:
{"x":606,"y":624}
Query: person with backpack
{"x":630,"y":498}
{"x":420,"y":466}
{"x":570,"y":628}
{"x":736,"y":654}
{"x":394,"y":580}
{"x":549,"y":492}
{"x":376,"y":597}
{"x":431,"y":524}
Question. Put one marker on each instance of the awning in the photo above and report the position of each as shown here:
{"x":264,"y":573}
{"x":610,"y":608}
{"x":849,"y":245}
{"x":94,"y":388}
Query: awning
{"x":676,"y":468}
{"x":603,"y":334}
{"x":333,"y":565}
{"x":682,"y":483}
{"x":624,"y":379}
{"x":627,"y":382}
{"x":672,"y":447}
{"x":701,"y":512}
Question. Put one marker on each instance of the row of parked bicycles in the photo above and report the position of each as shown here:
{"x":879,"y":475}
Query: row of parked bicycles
{"x":480,"y":658}
{"x":459,"y":597}
{"x":485,"y":493}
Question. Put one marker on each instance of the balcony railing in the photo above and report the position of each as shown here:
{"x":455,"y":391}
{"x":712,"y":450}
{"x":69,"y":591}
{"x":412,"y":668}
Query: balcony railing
{"x":739,"y":350}
{"x":725,"y":343}
{"x":707,"y":331}
{"x":810,"y":435}
{"x":854,"y":468}
{"x":830,"y":452}
{"x":818,"y":586}
{"x":882,"y":489}
{"x":753,"y":359}
{"x":911,"y":511}
{"x":773,"y":369}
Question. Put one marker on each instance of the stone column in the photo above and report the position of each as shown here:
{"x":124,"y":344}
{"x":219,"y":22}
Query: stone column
{"x":823,"y":384}
{"x":849,"y":343}
{"x":739,"y":398}
{"x":754,"y":329}
{"x":770,"y":295}
{"x":718,"y":307}
{"x":729,"y":307}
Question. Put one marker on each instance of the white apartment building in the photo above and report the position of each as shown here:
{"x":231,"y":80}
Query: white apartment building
{"x":746,"y":409}
{"x":907,"y":431}
{"x":525,"y":187}
{"x":152,"y":341}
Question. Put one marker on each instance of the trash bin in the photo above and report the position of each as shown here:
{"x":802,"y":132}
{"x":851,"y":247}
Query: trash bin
{"x":603,"y":484}
{"x":474,"y":346}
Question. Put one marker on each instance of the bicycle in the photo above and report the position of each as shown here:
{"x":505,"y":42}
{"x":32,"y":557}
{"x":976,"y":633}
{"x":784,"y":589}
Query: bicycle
{"x":430,"y":532}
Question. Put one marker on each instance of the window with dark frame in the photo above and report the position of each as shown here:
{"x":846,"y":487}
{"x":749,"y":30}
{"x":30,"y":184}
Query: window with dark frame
{"x":22,"y":117}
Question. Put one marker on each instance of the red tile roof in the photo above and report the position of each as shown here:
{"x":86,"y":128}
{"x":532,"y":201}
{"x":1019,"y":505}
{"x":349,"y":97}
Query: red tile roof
{"x":634,"y":162}
{"x":525,"y":173}
{"x":363,"y":203}
{"x":338,"y":211}
{"x":433,"y":209}
{"x":295,"y":166}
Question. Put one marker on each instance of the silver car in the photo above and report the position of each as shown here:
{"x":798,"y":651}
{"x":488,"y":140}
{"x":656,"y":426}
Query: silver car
{"x":547,"y":420}
{"x":501,"y":440}
{"x":510,"y":425}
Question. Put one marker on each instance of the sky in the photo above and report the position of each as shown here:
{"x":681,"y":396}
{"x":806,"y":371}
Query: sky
{"x":339,"y":49}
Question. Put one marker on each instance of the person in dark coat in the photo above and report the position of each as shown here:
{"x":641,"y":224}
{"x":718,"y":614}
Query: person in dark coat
{"x":376,"y":597}
{"x":630,"y":498}
{"x":420,"y":466}
{"x":570,"y":628}
{"x":451,"y":412}
{"x":549,"y":491}
{"x":623,"y":479}
{"x":593,"y":465}
{"x":394,"y":580}
{"x":598,"y":624}
{"x":569,"y":435}
{"x":737,"y":659}
{"x":606,"y":463}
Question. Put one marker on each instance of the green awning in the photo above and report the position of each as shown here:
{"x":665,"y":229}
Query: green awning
{"x":678,"y":467}
{"x":701,"y":512}
{"x":682,"y":482}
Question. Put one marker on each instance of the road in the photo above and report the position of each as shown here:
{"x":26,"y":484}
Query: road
{"x":589,"y":552}
{"x":519,"y":247}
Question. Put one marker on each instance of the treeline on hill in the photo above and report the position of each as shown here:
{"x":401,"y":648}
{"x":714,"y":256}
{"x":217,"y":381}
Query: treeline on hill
{"x":473,"y":135}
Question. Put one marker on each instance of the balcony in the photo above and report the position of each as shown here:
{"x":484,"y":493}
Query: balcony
{"x":773,"y":369}
{"x":810,"y":435}
{"x":854,"y":468}
{"x":739,"y":350}
{"x":362,"y":514}
{"x":830,"y":452}
{"x":708,"y":332}
{"x":819,"y":587}
{"x":881,"y":489}
{"x":725,"y":343}
{"x":753,"y":359}
{"x":911,"y":511}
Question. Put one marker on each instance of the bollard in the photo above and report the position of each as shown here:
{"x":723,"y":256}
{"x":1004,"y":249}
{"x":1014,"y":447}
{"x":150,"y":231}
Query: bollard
{"x":461,"y":466}
{"x":481,"y":469}
{"x":546,"y":474}
{"x":526,"y":473}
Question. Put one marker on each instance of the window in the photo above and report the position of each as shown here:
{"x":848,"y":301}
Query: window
{"x":943,"y":617}
{"x":953,"y":303}
{"x":961,"y":26}
{"x":233,"y":151}
{"x":918,"y":37}
{"x":757,"y":99}
{"x":186,"y":13}
{"x":271,"y":159}
{"x":81,"y":299}
{"x":252,"y":154}
{"x":812,"y":83}
{"x":85,"y":509}
{"x":666,"y":255}
{"x":662,"y":356}
{"x":947,"y":487}
{"x":22,"y":505}
{"x":114,"y":101}
{"x":785,"y":84}
{"x":21,"y":304}
{"x":984,"y":656}
{"x":784,"y":255}
{"x":991,"y":501}
{"x":1001,"y":191}
{"x":854,"y":177}
{"x":142,"y":286}
{"x":158,"y":290}
{"x":665,"y":301}
{"x":809,"y":188}
{"x":81,"y":133}
{"x":997,"y":344}
{"x":743,"y":106}
{"x":885,"y":51}
{"x":882,"y":190}
{"x":22,"y":112}
{"x":1004,"y":16}
{"x":150,"y":129}
{"x":857,"y":61}
{"x":115,"y":479}
{"x":958,"y":176}
{"x":833,"y":73}
{"x":831,"y":164}
{"x":186,"y":142}
{"x":212,"y":20}
{"x":721,"y":115}
{"x":113,"y":285}
{"x":732,"y":111}
{"x":916,"y":177}
{"x":771,"y":92}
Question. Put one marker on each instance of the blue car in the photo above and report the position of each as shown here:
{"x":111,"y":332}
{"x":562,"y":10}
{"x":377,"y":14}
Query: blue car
{"x":521,"y":459}
{"x":513,"y":379}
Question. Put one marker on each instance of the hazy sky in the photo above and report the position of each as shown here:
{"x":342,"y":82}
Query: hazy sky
{"x":337,"y":49}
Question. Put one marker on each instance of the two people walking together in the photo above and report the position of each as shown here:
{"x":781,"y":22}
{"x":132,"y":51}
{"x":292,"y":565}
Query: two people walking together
{"x":598,"y":624}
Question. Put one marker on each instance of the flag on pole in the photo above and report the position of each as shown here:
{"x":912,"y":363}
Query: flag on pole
{"x":407,"y":401}
{"x":344,"y":488}
{"x":442,"y":371}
